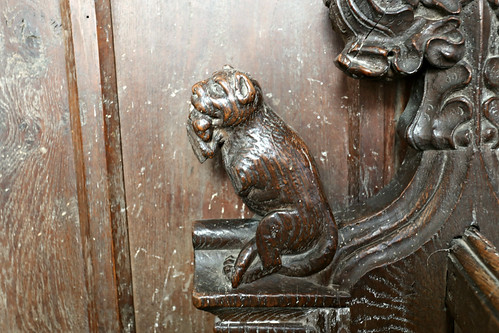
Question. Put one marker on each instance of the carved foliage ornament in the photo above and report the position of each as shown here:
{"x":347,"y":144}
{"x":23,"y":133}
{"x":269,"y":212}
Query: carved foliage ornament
{"x":388,"y":38}
{"x":391,"y":38}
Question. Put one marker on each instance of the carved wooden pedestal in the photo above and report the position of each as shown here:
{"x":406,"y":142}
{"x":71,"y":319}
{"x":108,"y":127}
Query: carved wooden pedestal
{"x":274,"y":303}
{"x":388,"y":270}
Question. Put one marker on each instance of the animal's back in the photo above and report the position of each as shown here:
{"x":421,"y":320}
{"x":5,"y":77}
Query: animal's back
{"x":280,"y":173}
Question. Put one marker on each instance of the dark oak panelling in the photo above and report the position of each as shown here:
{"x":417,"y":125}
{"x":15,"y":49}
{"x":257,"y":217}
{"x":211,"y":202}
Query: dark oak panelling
{"x":162,"y":48}
{"x":93,"y":190}
{"x":59,"y":184}
{"x":43,"y":282}
{"x":117,"y":197}
{"x":66,"y":261}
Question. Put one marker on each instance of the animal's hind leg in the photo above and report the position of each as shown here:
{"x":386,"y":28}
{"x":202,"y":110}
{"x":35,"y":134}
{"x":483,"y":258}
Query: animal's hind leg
{"x":243,"y":261}
{"x":273,"y":235}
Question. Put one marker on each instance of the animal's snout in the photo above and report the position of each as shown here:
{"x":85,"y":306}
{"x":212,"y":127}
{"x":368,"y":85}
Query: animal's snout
{"x":197,"y":89}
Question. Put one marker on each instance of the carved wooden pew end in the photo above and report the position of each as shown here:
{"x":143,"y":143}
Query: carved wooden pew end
{"x":255,"y":275}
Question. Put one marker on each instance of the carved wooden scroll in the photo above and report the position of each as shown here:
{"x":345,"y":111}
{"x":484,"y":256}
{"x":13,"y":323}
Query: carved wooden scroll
{"x":451,"y":117}
{"x":293,"y":256}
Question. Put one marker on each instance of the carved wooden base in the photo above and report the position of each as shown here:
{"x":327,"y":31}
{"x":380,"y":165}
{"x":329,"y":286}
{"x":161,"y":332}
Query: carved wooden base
{"x":277,"y":320}
{"x":212,"y":289}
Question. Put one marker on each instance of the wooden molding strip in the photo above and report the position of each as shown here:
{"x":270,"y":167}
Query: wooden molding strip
{"x":472,"y":279}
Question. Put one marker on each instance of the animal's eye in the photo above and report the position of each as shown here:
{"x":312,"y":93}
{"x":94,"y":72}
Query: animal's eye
{"x":217,"y":89}
{"x":243,"y":87}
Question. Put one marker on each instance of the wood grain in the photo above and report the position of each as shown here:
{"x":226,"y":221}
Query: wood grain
{"x":93,"y":189}
{"x":61,"y":238}
{"x":407,"y":296}
{"x":66,"y":262}
{"x":119,"y":222}
{"x":43,"y":282}
{"x":162,"y":48}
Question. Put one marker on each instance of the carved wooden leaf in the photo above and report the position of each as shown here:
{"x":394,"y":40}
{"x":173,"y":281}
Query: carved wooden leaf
{"x":490,"y":124}
{"x":389,"y":38}
{"x":450,"y":6}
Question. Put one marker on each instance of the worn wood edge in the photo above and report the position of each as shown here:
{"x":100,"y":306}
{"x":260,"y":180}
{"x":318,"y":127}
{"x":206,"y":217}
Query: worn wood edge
{"x":236,"y":299}
{"x":466,"y":302}
{"x":484,"y":249}
{"x":114,"y":159}
{"x":261,"y":314}
{"x":74,"y":112}
{"x":481,"y":275}
{"x":282,"y":319}
{"x":94,"y":213}
{"x":282,"y":327}
{"x":222,"y":233}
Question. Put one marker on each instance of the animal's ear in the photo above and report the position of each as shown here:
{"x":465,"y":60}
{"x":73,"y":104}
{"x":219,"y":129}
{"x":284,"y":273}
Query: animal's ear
{"x":245,"y":90}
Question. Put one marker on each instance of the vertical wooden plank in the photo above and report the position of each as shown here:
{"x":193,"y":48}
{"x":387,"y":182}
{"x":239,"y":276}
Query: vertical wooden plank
{"x":392,"y":109}
{"x":42,"y":280}
{"x":352,"y":95}
{"x":372,"y":141}
{"x":395,"y":98}
{"x":116,"y":184}
{"x":89,"y":137}
{"x":371,"y":138}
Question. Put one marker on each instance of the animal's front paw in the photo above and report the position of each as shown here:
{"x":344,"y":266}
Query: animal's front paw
{"x":228,"y":267}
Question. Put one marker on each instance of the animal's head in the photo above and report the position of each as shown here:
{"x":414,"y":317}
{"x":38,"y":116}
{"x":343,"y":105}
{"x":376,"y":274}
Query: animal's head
{"x":223,"y":101}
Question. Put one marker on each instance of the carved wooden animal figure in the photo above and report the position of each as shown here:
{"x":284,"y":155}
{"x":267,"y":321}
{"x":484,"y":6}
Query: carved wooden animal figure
{"x":271,"y":169}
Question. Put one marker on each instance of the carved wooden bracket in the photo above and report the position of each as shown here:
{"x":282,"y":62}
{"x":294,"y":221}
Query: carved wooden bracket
{"x":293,"y":255}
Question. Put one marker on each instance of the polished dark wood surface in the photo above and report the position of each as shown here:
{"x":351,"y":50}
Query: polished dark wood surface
{"x":99,"y":187}
{"x":272,"y":170}
{"x":472,"y":294}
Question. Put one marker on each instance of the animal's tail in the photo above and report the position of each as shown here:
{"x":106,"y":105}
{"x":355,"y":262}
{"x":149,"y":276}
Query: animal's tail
{"x":317,"y":258}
